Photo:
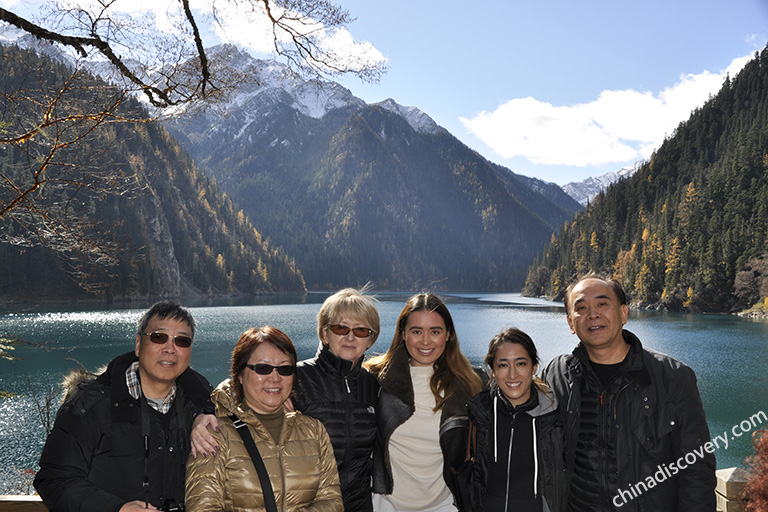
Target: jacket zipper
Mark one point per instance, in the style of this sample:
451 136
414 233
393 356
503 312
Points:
348 414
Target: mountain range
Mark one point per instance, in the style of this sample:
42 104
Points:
361 192
586 190
689 229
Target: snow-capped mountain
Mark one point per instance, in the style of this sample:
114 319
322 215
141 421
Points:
584 191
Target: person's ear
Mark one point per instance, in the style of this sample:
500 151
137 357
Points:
570 324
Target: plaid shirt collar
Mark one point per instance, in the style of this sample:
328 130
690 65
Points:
134 388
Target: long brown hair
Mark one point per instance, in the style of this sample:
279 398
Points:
453 373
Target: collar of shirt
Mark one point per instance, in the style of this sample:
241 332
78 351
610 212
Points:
162 405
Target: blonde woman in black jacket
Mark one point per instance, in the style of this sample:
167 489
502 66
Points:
334 388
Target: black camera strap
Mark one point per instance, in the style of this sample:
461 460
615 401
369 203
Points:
250 445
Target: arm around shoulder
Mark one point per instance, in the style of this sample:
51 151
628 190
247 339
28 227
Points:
206 477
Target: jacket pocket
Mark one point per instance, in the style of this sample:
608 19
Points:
654 428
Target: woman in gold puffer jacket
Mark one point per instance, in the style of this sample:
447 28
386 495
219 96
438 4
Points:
296 450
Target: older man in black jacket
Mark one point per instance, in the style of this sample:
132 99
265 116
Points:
121 439
636 434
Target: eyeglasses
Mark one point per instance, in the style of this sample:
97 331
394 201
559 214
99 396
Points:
265 369
343 330
161 338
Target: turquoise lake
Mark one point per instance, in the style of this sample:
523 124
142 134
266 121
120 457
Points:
729 354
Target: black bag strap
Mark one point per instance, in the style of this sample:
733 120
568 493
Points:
266 485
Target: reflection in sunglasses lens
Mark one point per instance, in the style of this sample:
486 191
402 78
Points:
265 369
343 330
162 338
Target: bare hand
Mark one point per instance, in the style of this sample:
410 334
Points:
201 439
137 506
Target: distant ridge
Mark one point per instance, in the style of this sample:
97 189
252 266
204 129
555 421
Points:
377 192
585 191
688 231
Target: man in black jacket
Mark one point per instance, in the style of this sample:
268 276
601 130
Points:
636 434
120 441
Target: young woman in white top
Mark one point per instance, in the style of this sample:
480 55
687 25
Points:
422 415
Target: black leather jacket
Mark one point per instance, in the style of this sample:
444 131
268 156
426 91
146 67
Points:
396 405
655 415
343 397
93 459
549 447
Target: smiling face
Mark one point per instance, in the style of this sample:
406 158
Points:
425 337
161 364
596 315
265 394
513 372
348 347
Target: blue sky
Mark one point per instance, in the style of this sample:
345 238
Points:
558 90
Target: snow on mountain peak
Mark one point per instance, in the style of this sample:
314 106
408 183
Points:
586 190
418 120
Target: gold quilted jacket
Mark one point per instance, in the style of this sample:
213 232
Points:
301 467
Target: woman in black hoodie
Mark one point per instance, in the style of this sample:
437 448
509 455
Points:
518 456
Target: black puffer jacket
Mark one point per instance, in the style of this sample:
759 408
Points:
396 405
548 448
654 416
343 397
93 459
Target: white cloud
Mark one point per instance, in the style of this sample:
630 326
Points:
618 126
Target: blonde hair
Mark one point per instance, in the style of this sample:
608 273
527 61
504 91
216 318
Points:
354 303
453 373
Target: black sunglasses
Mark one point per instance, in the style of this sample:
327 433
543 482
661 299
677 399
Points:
161 338
343 330
265 369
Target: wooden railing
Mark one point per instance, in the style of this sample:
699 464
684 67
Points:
730 483
16 503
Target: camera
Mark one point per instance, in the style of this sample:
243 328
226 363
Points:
171 505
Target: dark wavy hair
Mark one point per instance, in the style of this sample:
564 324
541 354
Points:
248 343
756 490
453 373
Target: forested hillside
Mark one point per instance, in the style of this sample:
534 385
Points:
688 230
379 192
176 232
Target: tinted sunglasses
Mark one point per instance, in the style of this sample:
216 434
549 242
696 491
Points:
161 338
265 369
343 330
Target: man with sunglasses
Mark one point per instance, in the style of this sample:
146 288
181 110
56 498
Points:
121 438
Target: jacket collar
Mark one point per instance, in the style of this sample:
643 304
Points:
396 377
114 377
334 365
633 365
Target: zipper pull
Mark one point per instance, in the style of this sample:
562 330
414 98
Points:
346 382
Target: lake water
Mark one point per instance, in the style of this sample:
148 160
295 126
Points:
729 354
